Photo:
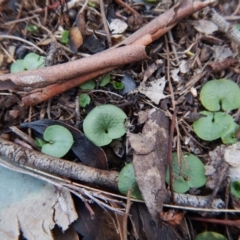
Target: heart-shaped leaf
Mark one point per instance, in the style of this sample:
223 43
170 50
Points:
127 180
229 136
210 235
118 85
59 141
104 123
222 93
83 148
33 61
235 189
188 174
17 66
89 85
84 100
105 80
213 125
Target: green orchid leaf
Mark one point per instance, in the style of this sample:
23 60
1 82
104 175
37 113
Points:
84 100
59 139
105 80
127 180
104 123
33 61
65 36
118 85
222 93
189 174
210 235
17 66
213 125
235 188
89 85
32 28
39 142
229 136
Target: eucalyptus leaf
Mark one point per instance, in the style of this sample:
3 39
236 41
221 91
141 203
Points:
84 100
188 174
17 66
89 85
127 180
210 236
59 141
104 123
222 93
213 125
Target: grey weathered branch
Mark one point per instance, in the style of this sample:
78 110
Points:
108 179
64 168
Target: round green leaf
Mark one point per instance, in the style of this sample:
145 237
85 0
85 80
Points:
222 93
89 85
229 136
33 61
235 188
104 123
32 28
84 100
127 180
59 139
17 66
213 125
118 85
189 174
65 36
105 80
210 236
39 142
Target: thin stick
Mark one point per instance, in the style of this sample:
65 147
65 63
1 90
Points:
170 150
125 216
2 36
104 19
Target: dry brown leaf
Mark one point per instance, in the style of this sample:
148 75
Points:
172 217
75 39
149 160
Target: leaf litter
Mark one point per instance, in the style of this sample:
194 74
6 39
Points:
174 76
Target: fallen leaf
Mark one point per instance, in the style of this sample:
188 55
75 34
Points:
155 90
75 39
174 75
184 66
32 207
205 26
221 52
101 225
117 26
172 217
149 160
232 157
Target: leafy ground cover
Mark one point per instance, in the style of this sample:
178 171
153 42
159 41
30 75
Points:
147 133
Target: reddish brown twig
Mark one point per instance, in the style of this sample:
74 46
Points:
235 223
173 123
46 76
42 94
